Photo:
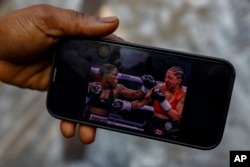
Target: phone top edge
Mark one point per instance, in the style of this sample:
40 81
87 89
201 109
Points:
131 44
171 51
160 49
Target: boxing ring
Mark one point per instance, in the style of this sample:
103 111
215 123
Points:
122 76
128 77
115 118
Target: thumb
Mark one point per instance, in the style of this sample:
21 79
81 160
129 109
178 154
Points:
63 22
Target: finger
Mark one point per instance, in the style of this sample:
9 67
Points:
87 134
67 128
114 37
35 76
61 22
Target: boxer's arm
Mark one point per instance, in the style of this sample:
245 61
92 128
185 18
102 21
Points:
129 93
179 106
139 103
175 113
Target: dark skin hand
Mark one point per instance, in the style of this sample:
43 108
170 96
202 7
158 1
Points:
27 38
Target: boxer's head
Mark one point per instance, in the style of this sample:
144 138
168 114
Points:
109 75
174 77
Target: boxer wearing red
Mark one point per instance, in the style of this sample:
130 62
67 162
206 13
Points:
168 98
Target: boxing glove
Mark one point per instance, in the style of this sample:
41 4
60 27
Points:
119 105
148 83
158 95
94 91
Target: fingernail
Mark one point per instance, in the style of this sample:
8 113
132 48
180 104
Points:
109 19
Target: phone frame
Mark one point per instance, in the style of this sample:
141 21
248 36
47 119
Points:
188 136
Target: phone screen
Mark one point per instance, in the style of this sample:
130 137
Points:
159 94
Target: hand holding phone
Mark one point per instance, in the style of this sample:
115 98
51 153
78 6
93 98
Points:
150 92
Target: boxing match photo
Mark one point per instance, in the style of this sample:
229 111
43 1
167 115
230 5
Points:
146 95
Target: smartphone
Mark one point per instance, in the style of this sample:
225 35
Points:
160 94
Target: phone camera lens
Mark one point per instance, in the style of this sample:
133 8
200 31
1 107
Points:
104 51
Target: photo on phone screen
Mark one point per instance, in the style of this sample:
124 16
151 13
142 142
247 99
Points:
139 91
134 99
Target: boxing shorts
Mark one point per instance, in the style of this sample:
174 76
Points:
161 127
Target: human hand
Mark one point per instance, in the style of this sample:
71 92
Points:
27 39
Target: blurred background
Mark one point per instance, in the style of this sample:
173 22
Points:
30 136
